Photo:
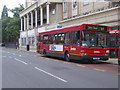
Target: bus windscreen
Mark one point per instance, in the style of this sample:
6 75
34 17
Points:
94 39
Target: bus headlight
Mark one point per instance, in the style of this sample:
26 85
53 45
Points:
106 54
107 51
83 54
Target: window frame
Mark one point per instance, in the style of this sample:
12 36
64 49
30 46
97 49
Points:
74 2
85 2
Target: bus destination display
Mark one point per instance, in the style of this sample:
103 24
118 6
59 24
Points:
93 27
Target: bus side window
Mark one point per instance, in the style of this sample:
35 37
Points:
45 39
50 39
61 38
75 37
40 38
67 38
55 41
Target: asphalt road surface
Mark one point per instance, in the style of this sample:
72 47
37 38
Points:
22 69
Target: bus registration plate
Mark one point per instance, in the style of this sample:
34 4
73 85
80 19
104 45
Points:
96 58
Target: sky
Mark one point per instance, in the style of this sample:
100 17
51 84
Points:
10 4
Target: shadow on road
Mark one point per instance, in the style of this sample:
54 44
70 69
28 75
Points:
76 61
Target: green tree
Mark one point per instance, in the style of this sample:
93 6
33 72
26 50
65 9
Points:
5 22
11 26
4 12
17 10
12 29
0 31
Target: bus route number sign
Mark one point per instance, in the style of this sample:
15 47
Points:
93 27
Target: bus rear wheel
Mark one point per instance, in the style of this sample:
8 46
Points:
44 52
67 56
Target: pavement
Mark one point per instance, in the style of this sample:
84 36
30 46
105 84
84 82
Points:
113 60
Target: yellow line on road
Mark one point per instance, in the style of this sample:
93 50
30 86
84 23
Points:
118 73
56 60
99 69
81 65
66 62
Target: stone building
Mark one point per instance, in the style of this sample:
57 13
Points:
44 15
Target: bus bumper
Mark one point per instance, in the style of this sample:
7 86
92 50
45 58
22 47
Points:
103 58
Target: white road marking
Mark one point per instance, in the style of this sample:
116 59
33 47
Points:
20 55
13 53
3 56
50 74
20 61
10 57
8 52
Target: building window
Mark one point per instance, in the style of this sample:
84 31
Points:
31 40
23 41
53 8
85 2
74 4
64 6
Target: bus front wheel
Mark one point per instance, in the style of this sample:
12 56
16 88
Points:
67 56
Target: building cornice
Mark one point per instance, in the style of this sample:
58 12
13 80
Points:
35 5
28 9
83 16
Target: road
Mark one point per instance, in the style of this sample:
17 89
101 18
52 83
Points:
22 69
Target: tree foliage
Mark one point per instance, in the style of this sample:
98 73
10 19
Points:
17 10
11 26
0 31
5 21
10 29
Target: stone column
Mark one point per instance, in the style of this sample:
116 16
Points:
41 15
31 20
24 23
21 24
36 18
35 28
27 21
35 36
48 14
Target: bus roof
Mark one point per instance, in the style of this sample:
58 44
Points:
69 28
114 31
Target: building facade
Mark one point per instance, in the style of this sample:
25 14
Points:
44 15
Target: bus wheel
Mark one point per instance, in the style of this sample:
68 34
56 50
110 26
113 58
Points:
91 61
118 62
44 52
67 56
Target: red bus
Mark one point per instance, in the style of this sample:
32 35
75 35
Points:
81 42
114 43
119 56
